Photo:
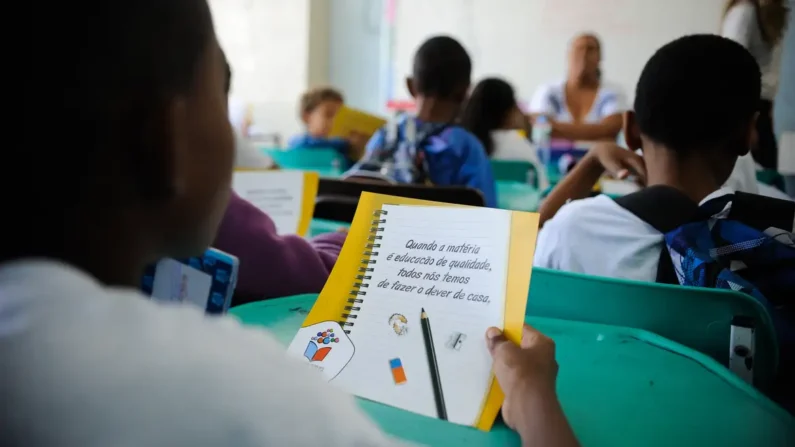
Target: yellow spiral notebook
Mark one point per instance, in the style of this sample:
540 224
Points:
403 316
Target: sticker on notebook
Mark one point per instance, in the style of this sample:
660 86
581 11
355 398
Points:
325 346
398 373
399 324
456 340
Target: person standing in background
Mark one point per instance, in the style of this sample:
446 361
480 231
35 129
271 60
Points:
582 107
784 112
758 25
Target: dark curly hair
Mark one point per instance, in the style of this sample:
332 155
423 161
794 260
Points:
698 92
442 69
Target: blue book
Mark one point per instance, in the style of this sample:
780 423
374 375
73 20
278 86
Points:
207 281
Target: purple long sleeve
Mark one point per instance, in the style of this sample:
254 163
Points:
272 265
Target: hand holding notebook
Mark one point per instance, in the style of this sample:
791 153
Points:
402 318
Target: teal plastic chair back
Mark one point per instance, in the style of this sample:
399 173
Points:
307 159
770 177
515 171
619 387
698 318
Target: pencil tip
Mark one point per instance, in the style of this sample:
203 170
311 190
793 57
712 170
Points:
423 309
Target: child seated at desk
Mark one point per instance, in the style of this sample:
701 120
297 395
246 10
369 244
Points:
691 149
493 116
87 359
430 147
270 265
319 107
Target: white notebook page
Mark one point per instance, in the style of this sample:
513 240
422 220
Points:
278 194
379 333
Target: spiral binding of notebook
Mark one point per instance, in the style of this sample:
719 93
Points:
364 272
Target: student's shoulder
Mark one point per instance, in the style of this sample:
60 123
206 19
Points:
126 364
591 216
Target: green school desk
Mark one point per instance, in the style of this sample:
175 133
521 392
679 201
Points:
517 196
618 386
321 226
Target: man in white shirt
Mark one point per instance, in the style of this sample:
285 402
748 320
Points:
85 359
690 147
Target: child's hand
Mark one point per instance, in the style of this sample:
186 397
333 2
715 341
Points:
619 163
357 140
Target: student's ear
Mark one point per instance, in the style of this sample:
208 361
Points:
632 131
751 139
305 117
161 156
410 87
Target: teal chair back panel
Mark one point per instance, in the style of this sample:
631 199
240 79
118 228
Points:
695 317
514 171
619 387
517 196
307 159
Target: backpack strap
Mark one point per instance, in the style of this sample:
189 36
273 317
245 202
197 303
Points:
762 212
665 209
420 158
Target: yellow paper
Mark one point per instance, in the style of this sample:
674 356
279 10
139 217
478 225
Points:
330 305
348 121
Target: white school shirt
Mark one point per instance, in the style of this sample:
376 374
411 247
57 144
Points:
743 176
598 237
86 365
550 100
741 26
510 145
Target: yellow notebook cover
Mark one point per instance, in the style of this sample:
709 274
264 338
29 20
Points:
323 341
348 121
287 197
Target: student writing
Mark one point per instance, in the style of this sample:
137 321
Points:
139 88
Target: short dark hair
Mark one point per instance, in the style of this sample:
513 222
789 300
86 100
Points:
699 91
311 99
442 68
487 108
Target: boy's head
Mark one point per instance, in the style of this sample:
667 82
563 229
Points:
442 70
143 164
319 106
697 99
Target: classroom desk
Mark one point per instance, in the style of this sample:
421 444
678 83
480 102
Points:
517 196
618 386
321 226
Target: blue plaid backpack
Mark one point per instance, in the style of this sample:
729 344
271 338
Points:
742 242
401 158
